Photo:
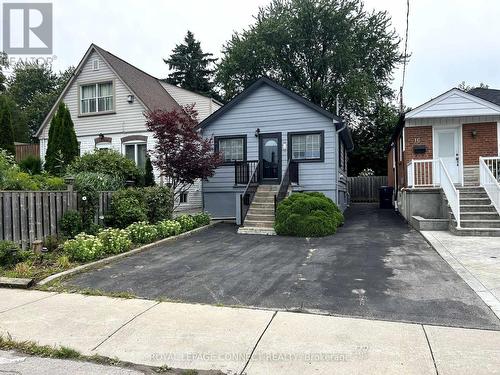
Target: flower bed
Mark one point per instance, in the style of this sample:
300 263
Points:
85 248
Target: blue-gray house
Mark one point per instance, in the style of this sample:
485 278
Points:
274 142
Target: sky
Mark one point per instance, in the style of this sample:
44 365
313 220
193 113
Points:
450 41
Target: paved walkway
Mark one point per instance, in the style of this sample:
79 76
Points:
475 259
374 267
242 340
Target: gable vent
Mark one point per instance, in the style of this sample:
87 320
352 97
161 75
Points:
95 64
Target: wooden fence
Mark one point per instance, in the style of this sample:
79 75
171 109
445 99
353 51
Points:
366 189
26 216
25 149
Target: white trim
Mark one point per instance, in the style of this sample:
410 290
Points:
404 140
414 112
498 138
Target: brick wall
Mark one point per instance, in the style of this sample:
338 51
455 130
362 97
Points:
416 136
485 143
390 169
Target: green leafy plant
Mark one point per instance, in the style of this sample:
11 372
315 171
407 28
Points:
142 232
167 228
11 254
71 223
101 181
149 177
187 222
201 219
115 241
307 215
127 207
83 248
51 242
159 202
31 164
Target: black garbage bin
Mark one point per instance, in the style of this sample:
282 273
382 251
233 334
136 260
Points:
385 196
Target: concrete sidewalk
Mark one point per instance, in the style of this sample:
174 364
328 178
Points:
237 340
475 259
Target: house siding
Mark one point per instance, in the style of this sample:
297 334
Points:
272 112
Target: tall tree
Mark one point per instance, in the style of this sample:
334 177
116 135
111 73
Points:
4 63
180 153
6 132
192 68
35 88
62 145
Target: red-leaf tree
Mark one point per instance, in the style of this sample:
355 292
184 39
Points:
181 154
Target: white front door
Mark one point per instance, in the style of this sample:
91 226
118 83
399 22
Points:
448 150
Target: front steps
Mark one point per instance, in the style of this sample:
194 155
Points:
478 217
260 216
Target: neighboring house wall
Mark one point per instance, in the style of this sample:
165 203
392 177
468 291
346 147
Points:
271 111
391 168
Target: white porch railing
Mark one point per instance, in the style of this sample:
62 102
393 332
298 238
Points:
489 176
423 173
451 192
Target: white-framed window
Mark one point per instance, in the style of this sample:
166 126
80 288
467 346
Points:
95 64
96 98
231 148
183 197
136 151
306 146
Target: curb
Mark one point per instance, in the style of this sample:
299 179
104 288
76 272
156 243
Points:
110 259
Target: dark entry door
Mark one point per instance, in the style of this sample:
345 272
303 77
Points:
270 158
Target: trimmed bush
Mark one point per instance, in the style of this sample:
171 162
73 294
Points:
71 223
307 215
11 254
84 248
168 228
115 241
201 219
187 222
127 207
100 181
159 202
31 164
142 232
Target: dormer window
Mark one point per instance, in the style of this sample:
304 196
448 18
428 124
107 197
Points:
96 98
95 64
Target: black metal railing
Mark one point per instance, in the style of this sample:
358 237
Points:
290 176
243 170
250 190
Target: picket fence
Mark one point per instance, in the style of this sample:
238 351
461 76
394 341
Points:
26 216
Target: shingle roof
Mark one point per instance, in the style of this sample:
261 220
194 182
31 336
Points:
491 95
146 87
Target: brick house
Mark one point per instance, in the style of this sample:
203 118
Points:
446 152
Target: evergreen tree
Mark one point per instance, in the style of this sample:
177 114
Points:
62 146
191 66
6 132
149 177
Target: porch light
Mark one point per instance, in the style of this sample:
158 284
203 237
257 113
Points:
130 98
257 132
473 133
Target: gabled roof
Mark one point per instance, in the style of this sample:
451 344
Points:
145 87
339 124
491 95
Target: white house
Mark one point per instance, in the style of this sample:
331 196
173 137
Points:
107 98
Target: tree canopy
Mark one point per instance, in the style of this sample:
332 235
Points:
6 132
192 68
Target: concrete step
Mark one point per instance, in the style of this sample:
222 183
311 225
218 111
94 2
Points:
477 208
479 223
248 230
476 232
263 199
262 205
258 224
265 194
260 211
479 216
473 194
261 218
475 201
268 188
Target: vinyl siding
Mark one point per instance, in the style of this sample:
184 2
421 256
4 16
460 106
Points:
273 112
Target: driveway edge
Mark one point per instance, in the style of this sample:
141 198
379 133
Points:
110 259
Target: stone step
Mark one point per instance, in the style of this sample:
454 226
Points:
479 216
476 232
258 223
479 223
261 218
477 208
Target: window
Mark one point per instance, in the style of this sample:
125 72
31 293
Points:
232 148
183 198
137 153
96 98
306 146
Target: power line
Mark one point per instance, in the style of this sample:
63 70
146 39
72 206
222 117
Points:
401 107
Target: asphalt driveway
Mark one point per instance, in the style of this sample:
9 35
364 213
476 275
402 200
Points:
375 266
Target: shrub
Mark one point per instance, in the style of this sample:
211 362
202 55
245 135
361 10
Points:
149 177
159 202
187 222
83 248
71 223
108 162
31 164
23 269
11 254
48 182
307 215
127 207
168 228
15 180
51 243
115 241
201 219
142 232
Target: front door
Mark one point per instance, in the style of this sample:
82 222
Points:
448 150
270 158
